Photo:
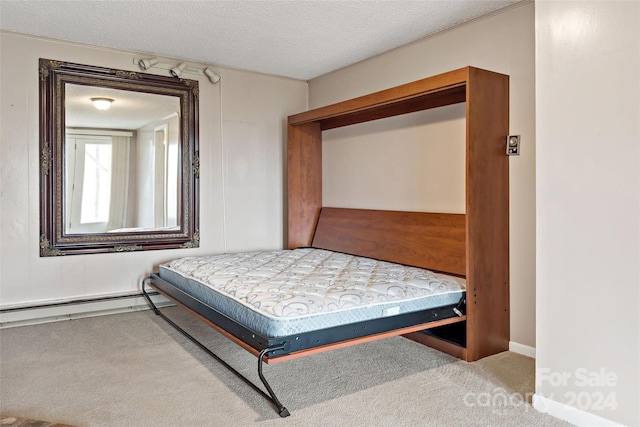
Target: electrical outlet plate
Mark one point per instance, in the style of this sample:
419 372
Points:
513 145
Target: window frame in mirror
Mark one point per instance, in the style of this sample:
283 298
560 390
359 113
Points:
54 241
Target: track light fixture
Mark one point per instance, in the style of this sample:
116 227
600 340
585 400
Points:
213 77
147 63
178 69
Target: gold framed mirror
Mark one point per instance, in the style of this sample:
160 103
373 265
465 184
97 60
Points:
119 160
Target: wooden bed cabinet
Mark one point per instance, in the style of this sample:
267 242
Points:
485 251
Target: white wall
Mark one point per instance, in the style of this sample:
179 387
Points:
242 139
588 207
387 180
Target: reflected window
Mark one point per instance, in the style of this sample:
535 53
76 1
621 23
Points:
97 183
96 187
88 182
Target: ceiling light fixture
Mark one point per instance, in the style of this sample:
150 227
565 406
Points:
102 103
213 77
147 63
178 69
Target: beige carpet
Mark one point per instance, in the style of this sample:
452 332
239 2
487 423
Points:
134 370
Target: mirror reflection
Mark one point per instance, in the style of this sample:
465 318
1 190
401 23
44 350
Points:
121 160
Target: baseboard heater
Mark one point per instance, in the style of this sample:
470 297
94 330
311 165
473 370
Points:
74 309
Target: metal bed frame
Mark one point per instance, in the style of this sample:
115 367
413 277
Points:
274 347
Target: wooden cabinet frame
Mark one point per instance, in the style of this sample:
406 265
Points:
487 186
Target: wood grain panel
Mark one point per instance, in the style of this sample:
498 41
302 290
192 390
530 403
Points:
426 101
429 240
389 97
487 211
304 182
440 345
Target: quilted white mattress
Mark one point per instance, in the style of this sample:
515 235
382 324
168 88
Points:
286 292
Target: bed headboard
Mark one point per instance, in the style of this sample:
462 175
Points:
429 240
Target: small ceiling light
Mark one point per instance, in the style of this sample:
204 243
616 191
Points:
147 63
102 103
213 77
178 69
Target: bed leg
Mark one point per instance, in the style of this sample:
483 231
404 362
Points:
148 298
282 411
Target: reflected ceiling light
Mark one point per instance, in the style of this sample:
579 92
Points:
147 63
102 103
178 69
213 77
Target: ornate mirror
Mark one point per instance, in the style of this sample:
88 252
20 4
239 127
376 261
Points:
119 160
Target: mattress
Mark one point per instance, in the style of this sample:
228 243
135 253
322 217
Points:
287 292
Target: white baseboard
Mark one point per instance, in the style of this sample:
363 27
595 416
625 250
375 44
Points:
525 350
74 310
570 414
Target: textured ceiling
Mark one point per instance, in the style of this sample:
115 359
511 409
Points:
301 39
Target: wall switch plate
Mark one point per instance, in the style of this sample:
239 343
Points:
513 145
